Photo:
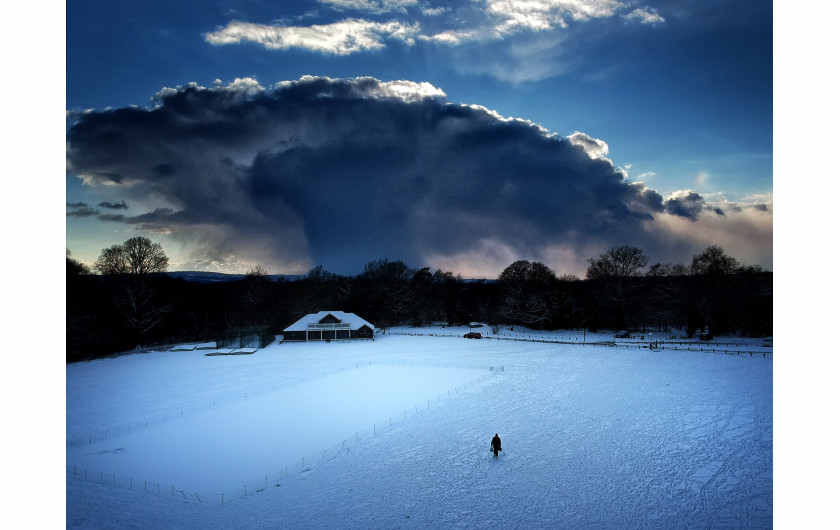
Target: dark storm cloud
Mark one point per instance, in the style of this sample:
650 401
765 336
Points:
690 205
113 205
81 209
340 172
159 219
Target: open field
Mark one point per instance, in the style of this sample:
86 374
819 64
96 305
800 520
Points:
593 436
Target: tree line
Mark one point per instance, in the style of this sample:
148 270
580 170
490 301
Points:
127 299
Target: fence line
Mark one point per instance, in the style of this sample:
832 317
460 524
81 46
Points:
306 461
710 347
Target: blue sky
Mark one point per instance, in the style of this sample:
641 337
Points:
458 135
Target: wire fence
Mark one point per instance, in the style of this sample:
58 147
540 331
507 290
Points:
245 338
306 461
728 348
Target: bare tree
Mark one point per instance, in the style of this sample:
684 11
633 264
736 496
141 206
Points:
144 257
132 267
112 261
138 256
75 267
617 270
256 286
392 289
618 262
528 296
668 269
713 261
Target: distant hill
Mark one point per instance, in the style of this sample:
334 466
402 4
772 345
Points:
218 277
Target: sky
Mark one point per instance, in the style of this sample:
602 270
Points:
460 135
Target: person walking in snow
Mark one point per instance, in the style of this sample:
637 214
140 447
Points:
496 444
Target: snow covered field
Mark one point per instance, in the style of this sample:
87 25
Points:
593 436
227 445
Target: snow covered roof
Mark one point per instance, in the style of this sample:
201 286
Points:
353 319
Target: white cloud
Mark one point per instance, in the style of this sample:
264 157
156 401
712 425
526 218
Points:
456 37
369 87
371 6
239 88
434 11
595 148
645 15
539 15
410 91
340 38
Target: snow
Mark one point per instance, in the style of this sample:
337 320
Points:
264 430
604 433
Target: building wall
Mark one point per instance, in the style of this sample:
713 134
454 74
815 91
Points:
363 332
315 335
294 336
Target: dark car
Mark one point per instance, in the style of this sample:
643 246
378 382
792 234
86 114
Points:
472 335
622 335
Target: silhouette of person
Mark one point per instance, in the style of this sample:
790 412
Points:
496 444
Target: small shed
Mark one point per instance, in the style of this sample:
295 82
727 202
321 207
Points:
329 325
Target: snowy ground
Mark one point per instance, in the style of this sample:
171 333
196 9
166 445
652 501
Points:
593 435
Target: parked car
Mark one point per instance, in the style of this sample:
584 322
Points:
472 335
705 336
622 335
